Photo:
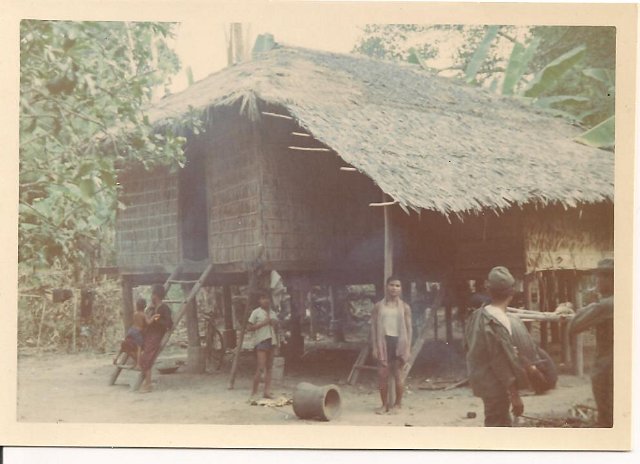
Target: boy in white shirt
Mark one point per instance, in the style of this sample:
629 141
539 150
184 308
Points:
262 321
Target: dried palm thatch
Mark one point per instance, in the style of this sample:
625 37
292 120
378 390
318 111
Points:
428 142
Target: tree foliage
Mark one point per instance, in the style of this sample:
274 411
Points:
566 70
83 90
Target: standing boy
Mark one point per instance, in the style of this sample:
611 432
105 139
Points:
492 360
262 321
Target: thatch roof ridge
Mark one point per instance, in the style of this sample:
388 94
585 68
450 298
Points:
428 141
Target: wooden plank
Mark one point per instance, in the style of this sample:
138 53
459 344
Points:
360 360
416 347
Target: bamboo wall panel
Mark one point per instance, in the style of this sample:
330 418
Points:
147 229
576 238
233 174
314 214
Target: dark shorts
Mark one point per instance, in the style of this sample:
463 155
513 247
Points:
392 347
264 345
136 336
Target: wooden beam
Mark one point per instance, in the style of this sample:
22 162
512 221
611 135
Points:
309 149
276 115
384 203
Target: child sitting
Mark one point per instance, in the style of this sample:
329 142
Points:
133 341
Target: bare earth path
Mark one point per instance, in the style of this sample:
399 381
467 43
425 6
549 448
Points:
73 388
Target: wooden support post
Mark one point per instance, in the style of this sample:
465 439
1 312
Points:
435 323
229 334
253 287
195 358
127 303
449 323
388 243
238 351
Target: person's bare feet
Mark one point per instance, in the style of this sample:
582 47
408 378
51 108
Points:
381 410
145 389
268 396
395 409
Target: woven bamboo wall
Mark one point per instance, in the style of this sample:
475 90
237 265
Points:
233 189
577 238
147 230
316 217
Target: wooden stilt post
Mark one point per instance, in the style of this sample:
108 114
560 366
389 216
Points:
388 243
253 287
229 329
195 359
449 322
127 303
388 272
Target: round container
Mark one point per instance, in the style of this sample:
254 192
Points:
316 402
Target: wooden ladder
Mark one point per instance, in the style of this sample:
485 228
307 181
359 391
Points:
173 279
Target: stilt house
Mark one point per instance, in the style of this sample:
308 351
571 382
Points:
298 148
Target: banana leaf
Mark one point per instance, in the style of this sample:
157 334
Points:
517 65
601 136
554 71
480 54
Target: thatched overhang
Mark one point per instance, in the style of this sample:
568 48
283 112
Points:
428 142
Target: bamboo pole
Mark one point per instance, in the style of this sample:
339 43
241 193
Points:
309 149
276 115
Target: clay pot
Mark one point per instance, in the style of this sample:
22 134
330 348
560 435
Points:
314 402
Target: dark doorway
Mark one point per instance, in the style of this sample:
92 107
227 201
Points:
193 207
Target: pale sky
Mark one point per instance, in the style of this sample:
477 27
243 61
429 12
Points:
201 44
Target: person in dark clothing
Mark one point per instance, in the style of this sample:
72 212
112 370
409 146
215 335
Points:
600 316
159 322
492 360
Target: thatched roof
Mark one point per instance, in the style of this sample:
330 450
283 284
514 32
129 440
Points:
427 141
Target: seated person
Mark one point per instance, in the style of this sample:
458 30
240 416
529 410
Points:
132 344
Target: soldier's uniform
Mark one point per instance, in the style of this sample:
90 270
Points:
600 316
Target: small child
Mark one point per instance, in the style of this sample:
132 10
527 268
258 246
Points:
133 341
261 322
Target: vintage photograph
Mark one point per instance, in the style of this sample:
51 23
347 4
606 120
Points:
237 223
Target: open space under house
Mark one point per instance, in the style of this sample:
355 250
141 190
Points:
337 169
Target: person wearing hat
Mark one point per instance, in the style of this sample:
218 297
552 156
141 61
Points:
600 316
492 360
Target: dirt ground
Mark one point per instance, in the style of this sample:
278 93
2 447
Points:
74 388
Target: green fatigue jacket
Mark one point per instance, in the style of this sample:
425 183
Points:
492 359
600 316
